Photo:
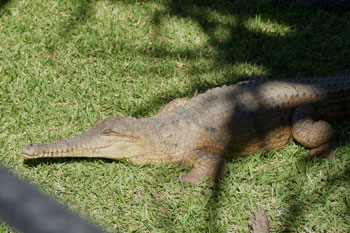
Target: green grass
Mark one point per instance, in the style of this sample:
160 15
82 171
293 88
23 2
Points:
65 64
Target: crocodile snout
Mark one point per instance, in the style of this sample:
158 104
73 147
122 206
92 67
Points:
29 150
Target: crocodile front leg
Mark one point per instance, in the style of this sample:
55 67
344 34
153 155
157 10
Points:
206 165
317 135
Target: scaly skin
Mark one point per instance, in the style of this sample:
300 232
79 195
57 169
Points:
222 123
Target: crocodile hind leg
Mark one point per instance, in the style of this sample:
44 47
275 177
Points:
317 135
205 165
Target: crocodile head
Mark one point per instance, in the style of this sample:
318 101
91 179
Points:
113 138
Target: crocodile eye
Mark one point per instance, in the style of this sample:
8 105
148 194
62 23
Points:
108 131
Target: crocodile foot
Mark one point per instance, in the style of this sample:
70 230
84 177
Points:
325 151
207 165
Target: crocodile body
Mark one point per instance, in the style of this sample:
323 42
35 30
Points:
222 123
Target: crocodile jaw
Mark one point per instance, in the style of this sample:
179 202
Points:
102 147
113 138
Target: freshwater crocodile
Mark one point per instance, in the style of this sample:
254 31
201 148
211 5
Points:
221 123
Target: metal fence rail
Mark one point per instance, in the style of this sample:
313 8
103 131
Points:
30 211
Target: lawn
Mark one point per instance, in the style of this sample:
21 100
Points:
65 64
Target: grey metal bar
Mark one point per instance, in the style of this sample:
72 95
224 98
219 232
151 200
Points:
30 211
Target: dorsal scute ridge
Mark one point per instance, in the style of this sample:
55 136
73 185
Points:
276 90
213 92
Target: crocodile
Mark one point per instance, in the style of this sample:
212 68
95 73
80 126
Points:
224 122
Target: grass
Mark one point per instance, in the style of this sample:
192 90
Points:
65 64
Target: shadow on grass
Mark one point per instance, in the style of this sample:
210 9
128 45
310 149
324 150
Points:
48 161
315 39
3 3
247 43
317 32
299 201
316 43
81 14
212 209
321 38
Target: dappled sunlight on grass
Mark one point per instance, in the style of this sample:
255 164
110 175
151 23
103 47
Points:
66 64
